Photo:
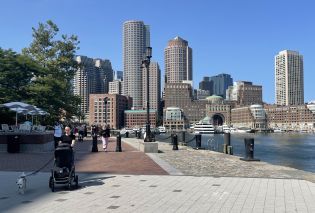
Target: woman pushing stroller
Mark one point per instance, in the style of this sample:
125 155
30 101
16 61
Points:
68 137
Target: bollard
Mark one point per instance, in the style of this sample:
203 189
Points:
118 143
139 135
227 142
127 134
198 141
136 133
174 142
184 138
230 150
249 150
94 145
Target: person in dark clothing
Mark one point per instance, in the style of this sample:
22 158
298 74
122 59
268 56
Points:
68 137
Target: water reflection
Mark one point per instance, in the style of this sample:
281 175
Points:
293 150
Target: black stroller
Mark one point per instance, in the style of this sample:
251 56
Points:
63 171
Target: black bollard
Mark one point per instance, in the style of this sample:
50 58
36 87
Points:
174 142
127 134
249 150
227 139
227 142
94 145
118 143
136 134
198 141
183 137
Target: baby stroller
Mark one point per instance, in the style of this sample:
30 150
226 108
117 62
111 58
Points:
63 171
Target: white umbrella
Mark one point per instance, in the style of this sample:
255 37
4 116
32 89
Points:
37 111
18 107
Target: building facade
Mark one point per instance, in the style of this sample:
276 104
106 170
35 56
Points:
289 78
178 61
136 37
154 86
115 87
180 95
138 118
291 118
206 84
244 93
221 83
174 119
253 117
93 76
111 112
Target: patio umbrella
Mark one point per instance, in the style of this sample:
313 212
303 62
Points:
37 111
18 107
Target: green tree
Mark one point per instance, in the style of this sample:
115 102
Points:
16 74
51 89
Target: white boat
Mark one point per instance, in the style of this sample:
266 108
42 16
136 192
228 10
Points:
278 130
243 130
203 128
162 129
226 129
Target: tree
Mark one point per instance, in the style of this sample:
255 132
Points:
16 73
52 89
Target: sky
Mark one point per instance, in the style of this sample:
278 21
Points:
237 37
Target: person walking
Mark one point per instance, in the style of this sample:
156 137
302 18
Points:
57 133
105 136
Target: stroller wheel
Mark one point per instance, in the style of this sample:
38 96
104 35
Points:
50 181
76 179
52 186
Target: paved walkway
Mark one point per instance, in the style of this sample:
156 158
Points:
109 189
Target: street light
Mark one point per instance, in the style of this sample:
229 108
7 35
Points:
105 103
146 63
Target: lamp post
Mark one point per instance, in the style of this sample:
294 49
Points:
105 109
146 63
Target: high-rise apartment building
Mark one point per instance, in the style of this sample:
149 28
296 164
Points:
289 78
206 84
178 61
220 84
136 37
115 87
154 86
92 76
244 93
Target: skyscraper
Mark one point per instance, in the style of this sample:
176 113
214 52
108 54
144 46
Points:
154 86
178 61
221 83
136 37
92 76
289 78
206 84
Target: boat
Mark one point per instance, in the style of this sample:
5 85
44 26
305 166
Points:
278 130
243 130
203 128
162 129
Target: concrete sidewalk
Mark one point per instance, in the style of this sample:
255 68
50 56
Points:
131 181
155 193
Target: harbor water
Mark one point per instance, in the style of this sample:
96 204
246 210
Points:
286 149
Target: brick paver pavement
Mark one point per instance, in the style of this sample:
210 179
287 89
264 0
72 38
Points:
129 161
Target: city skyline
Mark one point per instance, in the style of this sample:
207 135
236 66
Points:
238 38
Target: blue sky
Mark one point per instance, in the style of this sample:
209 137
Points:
238 37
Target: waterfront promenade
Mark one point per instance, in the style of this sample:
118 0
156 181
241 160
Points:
131 181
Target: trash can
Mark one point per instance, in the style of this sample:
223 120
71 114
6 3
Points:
13 144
